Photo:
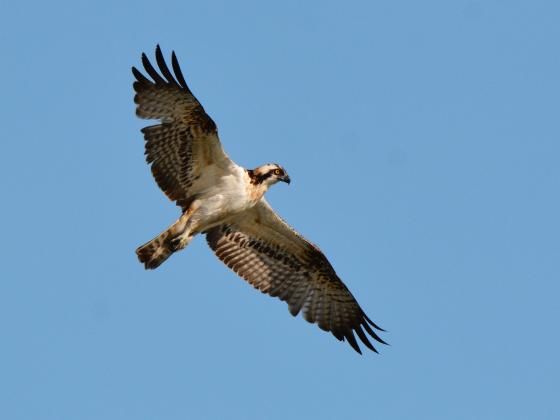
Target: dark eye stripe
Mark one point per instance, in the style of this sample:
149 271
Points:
258 179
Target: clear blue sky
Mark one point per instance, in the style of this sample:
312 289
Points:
423 142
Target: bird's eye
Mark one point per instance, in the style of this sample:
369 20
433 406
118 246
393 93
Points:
277 172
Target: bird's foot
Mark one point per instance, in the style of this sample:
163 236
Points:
180 242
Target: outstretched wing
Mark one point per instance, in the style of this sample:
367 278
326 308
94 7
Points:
263 249
186 142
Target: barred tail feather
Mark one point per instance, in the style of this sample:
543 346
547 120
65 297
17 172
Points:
152 254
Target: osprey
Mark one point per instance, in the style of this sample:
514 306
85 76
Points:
226 202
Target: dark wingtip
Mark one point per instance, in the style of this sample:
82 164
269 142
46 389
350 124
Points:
352 341
373 324
365 340
150 69
163 67
337 335
140 78
372 333
158 50
177 71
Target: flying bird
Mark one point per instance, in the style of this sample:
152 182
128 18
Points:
226 202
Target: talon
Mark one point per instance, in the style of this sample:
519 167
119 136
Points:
179 243
175 243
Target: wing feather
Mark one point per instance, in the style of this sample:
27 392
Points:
151 71
178 72
261 248
164 69
182 147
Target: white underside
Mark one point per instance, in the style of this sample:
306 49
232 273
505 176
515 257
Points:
221 193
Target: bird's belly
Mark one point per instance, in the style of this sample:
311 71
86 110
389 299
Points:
217 208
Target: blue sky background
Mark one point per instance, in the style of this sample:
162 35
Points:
423 142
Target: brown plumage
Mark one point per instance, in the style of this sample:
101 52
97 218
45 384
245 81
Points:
186 141
263 249
226 202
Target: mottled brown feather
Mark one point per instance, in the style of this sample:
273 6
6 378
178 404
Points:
186 142
276 260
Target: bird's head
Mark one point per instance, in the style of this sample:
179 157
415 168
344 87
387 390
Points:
268 175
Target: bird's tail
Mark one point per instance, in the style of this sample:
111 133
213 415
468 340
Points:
153 253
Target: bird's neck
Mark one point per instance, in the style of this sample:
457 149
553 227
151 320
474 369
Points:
257 186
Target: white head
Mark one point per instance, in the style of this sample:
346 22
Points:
268 175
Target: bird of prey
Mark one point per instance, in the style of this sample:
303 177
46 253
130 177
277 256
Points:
226 202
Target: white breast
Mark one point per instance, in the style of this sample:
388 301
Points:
221 196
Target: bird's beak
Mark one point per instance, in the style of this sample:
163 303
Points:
286 179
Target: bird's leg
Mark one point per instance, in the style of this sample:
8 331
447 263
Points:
181 240
183 228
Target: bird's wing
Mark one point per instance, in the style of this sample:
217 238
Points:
186 142
263 249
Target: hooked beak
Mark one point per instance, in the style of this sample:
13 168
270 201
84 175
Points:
286 179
